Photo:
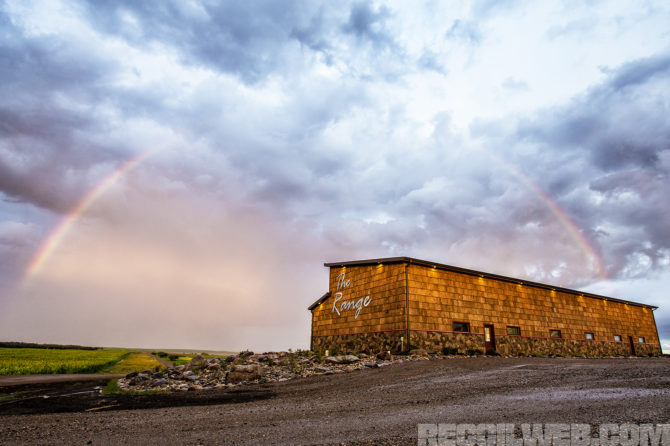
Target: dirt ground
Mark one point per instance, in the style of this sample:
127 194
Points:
375 406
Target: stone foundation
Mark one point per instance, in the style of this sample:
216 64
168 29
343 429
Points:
526 346
434 342
468 343
369 343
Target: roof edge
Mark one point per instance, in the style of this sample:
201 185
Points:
472 272
319 301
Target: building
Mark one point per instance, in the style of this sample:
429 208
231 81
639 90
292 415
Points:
401 303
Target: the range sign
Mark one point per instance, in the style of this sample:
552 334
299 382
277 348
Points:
340 306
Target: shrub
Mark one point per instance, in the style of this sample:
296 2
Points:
473 352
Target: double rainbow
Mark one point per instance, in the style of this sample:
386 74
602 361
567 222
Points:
56 236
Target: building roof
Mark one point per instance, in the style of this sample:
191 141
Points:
413 261
319 301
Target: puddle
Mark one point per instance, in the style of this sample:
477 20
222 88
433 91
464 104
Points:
587 394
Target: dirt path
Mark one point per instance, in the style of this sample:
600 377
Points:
375 406
17 380
161 360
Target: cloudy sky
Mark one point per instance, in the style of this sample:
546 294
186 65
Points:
175 174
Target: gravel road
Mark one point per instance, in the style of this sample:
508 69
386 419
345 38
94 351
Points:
375 406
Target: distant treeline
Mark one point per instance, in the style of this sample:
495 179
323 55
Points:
49 346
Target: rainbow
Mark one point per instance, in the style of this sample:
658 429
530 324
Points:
563 218
56 235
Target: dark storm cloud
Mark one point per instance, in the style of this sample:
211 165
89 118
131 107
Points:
615 139
43 141
640 72
247 39
621 123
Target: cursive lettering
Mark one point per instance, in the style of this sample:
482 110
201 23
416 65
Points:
352 304
342 282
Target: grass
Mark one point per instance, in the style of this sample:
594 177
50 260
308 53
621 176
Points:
182 360
112 387
185 359
29 361
134 362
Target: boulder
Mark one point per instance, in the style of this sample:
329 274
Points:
385 355
197 363
131 375
138 379
348 359
213 366
239 373
333 359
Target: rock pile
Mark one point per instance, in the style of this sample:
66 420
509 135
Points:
250 368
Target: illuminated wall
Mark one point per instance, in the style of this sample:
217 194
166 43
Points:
365 310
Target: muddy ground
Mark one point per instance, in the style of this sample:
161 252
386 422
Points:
375 406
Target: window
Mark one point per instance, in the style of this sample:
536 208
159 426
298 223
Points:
589 336
617 338
513 331
555 334
640 339
462 327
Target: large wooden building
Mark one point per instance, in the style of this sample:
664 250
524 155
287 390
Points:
402 303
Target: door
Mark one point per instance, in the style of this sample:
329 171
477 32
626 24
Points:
632 345
489 338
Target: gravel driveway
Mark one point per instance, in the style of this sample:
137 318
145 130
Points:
375 406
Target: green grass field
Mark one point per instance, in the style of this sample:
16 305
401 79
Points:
134 362
28 361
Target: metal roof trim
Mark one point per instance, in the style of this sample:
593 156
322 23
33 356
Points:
471 272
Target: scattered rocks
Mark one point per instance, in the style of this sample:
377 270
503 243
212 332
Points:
418 352
385 356
246 368
244 373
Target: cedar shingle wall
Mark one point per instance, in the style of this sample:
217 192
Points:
385 284
438 298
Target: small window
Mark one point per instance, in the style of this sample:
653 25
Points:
617 338
589 336
462 327
555 334
640 339
513 331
